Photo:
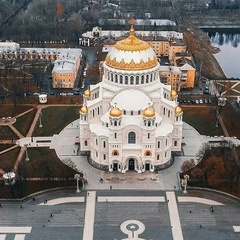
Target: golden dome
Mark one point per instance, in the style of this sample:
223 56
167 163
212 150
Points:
149 112
178 110
87 93
115 112
173 94
131 54
84 110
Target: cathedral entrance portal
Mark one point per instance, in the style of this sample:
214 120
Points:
147 166
131 164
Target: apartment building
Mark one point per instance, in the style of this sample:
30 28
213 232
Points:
65 68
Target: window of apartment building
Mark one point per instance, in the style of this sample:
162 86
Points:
85 143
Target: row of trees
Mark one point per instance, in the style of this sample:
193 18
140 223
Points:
217 170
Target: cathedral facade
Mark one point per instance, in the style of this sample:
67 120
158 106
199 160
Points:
130 121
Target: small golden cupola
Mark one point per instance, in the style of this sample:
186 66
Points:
84 110
115 112
87 94
173 94
178 111
149 112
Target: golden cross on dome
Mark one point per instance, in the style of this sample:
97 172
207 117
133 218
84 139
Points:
131 21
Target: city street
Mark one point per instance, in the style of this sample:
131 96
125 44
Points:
111 214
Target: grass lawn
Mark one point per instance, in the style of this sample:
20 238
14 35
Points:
11 111
6 133
43 163
202 119
54 119
8 159
24 122
5 146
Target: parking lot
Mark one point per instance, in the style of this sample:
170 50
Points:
207 101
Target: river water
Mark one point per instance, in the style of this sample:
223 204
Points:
229 55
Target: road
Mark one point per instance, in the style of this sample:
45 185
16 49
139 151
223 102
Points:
110 214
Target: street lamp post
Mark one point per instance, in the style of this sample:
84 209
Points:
27 158
186 178
84 177
40 120
77 177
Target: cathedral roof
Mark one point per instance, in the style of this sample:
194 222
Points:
115 112
178 110
149 112
131 99
87 93
84 109
131 54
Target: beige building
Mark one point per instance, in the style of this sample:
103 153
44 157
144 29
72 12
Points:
66 68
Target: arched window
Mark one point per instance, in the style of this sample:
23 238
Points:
148 135
149 123
115 123
85 143
104 144
168 113
115 153
159 144
158 157
142 79
96 141
139 112
126 79
121 79
131 112
137 80
93 114
164 111
175 143
124 112
147 79
104 156
116 78
132 137
131 80
148 153
112 77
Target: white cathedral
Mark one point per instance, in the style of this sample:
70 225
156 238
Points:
130 121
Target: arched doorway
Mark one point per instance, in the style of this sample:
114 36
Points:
131 164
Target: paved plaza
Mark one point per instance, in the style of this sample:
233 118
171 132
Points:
121 215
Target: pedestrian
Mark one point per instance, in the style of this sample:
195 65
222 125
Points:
51 215
238 203
190 211
88 193
0 205
21 206
200 225
33 199
212 209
